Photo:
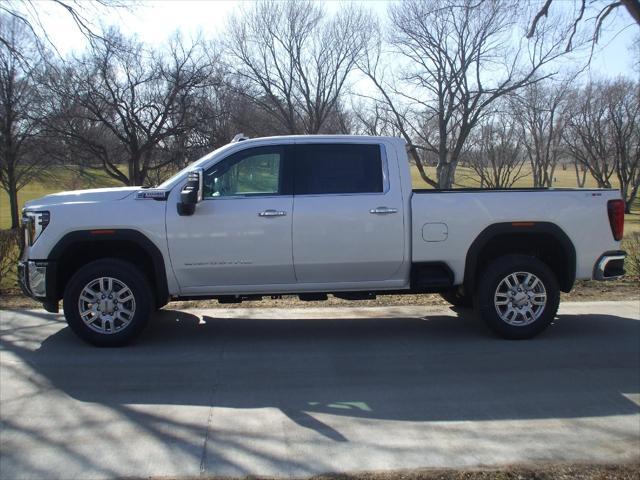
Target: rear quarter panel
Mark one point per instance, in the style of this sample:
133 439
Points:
581 214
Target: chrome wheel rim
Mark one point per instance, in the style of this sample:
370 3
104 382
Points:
520 298
106 305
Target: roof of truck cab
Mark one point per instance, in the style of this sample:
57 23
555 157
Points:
323 138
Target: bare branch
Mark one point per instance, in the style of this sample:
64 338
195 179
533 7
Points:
543 12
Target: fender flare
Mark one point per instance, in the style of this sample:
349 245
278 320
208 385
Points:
161 289
520 228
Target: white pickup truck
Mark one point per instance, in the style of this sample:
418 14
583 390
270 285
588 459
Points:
312 216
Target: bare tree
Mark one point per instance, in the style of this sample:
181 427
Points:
373 119
497 158
296 59
220 111
122 102
28 14
539 112
603 134
20 112
601 10
460 58
587 134
624 120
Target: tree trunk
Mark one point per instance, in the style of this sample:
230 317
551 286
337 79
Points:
134 170
446 174
535 172
413 153
13 206
131 172
628 202
580 180
633 7
550 175
11 188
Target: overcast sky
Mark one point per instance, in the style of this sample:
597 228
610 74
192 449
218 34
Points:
154 21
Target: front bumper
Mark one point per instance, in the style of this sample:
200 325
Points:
37 280
610 265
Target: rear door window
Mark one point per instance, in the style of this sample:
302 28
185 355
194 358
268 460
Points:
326 169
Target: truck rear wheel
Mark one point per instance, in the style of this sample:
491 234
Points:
517 296
107 302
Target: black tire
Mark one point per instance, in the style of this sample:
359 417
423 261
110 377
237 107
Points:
488 283
457 298
119 334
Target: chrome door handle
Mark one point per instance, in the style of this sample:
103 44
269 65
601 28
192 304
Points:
383 210
272 213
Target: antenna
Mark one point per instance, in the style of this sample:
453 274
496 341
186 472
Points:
239 138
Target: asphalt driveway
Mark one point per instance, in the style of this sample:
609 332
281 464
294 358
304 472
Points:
297 392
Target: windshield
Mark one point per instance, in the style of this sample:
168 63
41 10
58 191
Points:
173 179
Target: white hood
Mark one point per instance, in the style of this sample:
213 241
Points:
82 196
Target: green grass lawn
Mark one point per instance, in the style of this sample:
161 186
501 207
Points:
465 177
60 179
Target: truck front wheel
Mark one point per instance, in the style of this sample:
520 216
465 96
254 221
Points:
107 302
517 296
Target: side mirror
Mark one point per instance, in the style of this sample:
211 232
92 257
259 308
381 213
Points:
191 194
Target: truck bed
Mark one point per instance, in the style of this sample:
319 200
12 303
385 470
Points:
446 222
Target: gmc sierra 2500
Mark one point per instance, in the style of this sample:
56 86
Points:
311 216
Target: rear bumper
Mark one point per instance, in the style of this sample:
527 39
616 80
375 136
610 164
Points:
37 280
610 265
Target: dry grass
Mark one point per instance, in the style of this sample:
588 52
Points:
529 472
631 244
9 255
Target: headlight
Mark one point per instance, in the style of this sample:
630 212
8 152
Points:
34 224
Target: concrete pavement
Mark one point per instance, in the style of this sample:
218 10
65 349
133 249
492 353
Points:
304 391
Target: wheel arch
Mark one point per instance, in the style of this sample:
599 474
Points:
544 240
80 247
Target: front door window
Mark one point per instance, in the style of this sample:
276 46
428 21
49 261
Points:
251 172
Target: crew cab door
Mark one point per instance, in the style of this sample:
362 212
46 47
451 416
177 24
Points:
240 233
348 214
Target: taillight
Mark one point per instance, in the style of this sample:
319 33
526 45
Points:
615 209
